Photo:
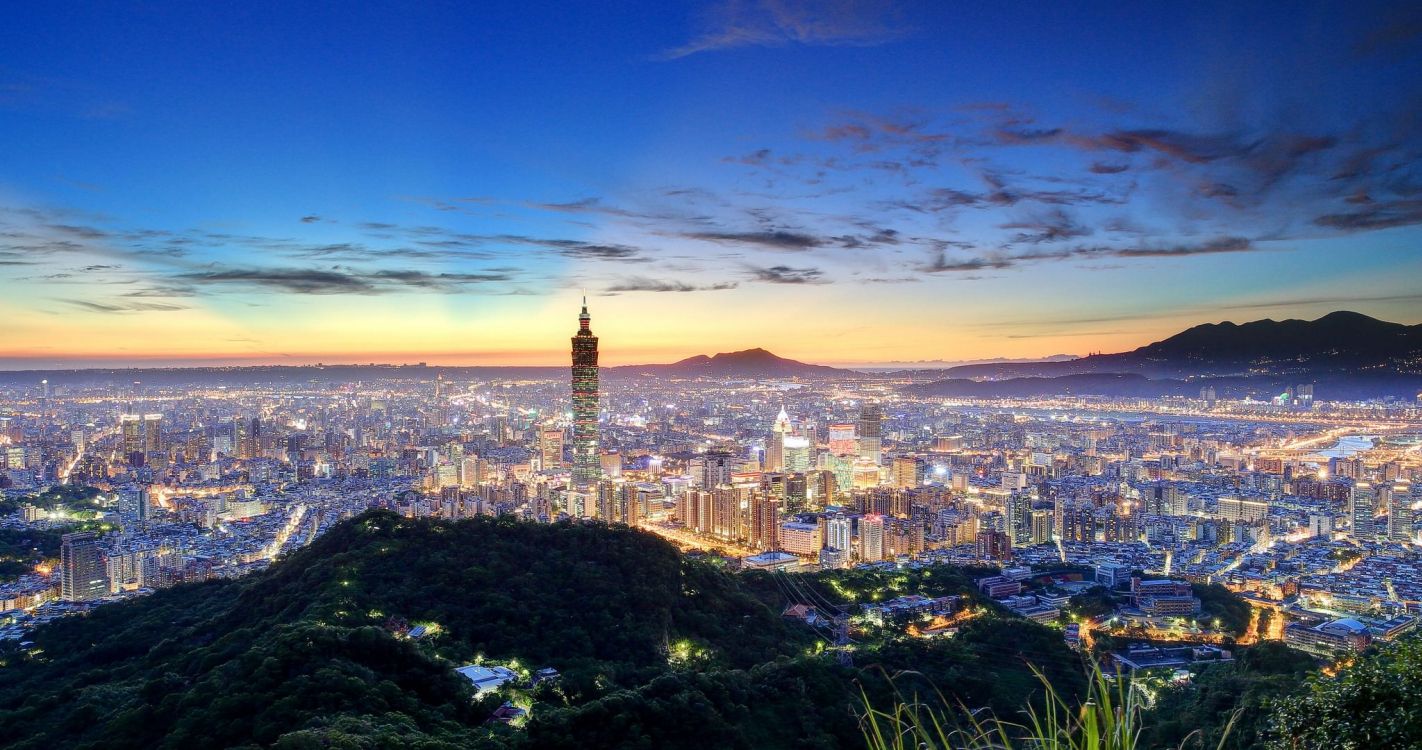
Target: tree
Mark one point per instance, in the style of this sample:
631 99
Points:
1371 704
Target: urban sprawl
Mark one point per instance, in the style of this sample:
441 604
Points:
1308 510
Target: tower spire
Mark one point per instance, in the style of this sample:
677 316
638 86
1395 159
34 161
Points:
586 464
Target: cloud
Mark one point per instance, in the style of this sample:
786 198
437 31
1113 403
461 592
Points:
298 280
756 158
1398 213
1188 147
581 250
787 275
774 240
1400 27
1211 247
437 242
877 236
1053 226
1027 136
1001 195
339 280
122 307
82 232
584 206
778 23
942 264
163 290
437 281
1103 168
642 284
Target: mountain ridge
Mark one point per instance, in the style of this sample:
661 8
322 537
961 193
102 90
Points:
1338 342
746 363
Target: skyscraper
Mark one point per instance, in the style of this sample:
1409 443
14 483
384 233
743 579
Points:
131 432
247 437
152 433
775 443
871 420
1400 515
83 575
550 447
871 538
1364 504
586 468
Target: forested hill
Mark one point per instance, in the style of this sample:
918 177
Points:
655 651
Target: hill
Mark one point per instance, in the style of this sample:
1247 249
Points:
1130 385
655 650
750 363
1337 343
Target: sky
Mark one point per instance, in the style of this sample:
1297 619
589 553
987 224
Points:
837 182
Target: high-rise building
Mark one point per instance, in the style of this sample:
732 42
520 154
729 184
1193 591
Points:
841 440
871 420
765 522
905 472
1364 504
1241 509
152 433
611 465
586 467
469 473
871 538
839 533
1163 499
775 442
550 447
131 435
247 437
1400 516
83 574
994 545
1019 518
1041 527
796 452
713 469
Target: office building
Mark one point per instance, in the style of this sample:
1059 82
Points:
83 574
871 419
586 469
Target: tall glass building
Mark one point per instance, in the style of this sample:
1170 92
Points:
586 467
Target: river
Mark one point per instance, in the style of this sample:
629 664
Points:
1348 445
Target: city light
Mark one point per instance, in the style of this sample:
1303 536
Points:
774 373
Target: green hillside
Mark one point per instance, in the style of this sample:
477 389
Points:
655 650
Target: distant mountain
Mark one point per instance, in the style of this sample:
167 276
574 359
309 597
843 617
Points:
1335 387
750 363
930 365
1339 342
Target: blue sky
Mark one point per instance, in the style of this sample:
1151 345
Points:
840 182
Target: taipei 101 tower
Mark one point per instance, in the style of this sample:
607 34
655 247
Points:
587 468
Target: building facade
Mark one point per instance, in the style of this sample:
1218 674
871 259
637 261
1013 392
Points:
586 466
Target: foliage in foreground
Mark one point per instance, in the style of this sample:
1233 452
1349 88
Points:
1374 703
1109 718
1240 693
1271 698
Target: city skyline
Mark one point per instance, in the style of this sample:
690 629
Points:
1058 362
899 182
